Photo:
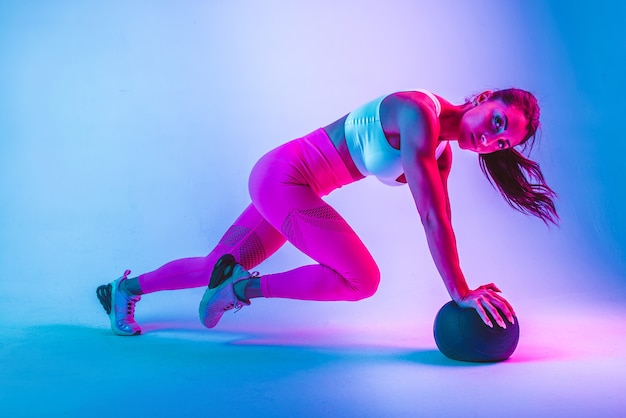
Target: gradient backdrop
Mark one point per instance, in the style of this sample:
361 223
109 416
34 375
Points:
128 130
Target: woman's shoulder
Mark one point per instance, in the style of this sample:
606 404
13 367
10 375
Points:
421 101
407 107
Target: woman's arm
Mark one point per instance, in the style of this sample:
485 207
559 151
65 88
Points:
418 136
419 130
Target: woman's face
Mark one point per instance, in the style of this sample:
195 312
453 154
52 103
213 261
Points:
492 126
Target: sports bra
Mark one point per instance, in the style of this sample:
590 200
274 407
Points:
371 152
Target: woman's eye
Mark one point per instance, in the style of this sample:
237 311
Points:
498 122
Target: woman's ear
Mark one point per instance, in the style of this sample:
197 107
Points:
484 96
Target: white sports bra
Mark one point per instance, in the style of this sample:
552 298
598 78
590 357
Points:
371 152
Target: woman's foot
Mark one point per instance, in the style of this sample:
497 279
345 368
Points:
119 304
220 295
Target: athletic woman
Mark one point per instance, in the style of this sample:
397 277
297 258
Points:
401 138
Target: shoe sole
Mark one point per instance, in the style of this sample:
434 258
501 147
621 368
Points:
104 296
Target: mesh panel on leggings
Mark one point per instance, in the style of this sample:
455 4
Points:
323 217
234 235
252 251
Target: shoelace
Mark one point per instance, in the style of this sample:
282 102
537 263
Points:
239 304
130 308
130 304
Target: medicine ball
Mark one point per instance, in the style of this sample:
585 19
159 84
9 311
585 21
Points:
461 334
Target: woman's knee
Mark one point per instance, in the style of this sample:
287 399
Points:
365 284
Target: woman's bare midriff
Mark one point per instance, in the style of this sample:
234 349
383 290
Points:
337 135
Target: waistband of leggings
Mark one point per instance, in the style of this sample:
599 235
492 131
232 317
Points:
320 139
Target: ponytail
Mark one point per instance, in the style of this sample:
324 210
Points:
520 181
517 178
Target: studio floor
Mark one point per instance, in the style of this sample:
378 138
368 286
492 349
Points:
567 364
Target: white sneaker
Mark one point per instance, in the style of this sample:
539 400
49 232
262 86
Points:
220 295
120 306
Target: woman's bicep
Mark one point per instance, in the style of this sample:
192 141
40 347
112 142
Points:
418 142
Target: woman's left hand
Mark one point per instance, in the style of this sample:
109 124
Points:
486 299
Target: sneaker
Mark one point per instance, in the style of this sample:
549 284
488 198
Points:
120 306
220 296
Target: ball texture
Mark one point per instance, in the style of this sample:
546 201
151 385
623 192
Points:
462 335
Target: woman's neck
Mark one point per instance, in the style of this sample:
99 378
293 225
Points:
450 119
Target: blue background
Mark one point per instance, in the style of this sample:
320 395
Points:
129 129
127 132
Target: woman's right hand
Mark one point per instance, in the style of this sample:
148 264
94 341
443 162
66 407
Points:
486 299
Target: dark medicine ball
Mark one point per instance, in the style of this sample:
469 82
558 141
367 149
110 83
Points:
462 335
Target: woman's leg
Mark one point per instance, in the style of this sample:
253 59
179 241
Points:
251 239
285 186
346 270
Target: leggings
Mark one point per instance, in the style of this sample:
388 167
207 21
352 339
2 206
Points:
286 187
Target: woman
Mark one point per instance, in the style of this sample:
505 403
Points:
399 138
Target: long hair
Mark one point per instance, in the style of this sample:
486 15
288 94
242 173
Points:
519 179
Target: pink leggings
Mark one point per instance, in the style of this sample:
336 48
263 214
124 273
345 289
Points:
286 186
